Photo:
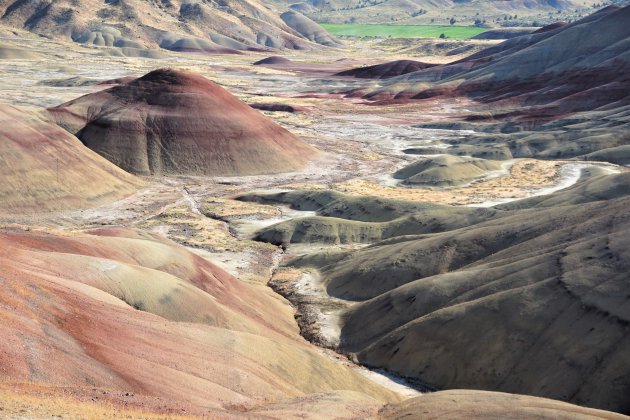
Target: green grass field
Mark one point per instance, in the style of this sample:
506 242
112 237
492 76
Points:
402 31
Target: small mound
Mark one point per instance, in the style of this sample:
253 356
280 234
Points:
386 70
105 36
474 404
177 43
278 107
272 60
445 170
177 122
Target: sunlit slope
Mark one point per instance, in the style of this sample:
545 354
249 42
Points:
132 312
174 122
45 168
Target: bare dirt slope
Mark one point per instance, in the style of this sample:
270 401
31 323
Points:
535 302
309 29
147 316
445 170
45 168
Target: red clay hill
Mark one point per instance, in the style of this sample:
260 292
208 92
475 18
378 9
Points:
176 122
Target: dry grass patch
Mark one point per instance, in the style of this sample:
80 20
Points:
525 176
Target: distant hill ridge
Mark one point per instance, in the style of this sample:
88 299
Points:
509 13
177 25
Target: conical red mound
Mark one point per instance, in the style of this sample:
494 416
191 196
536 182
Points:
177 122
